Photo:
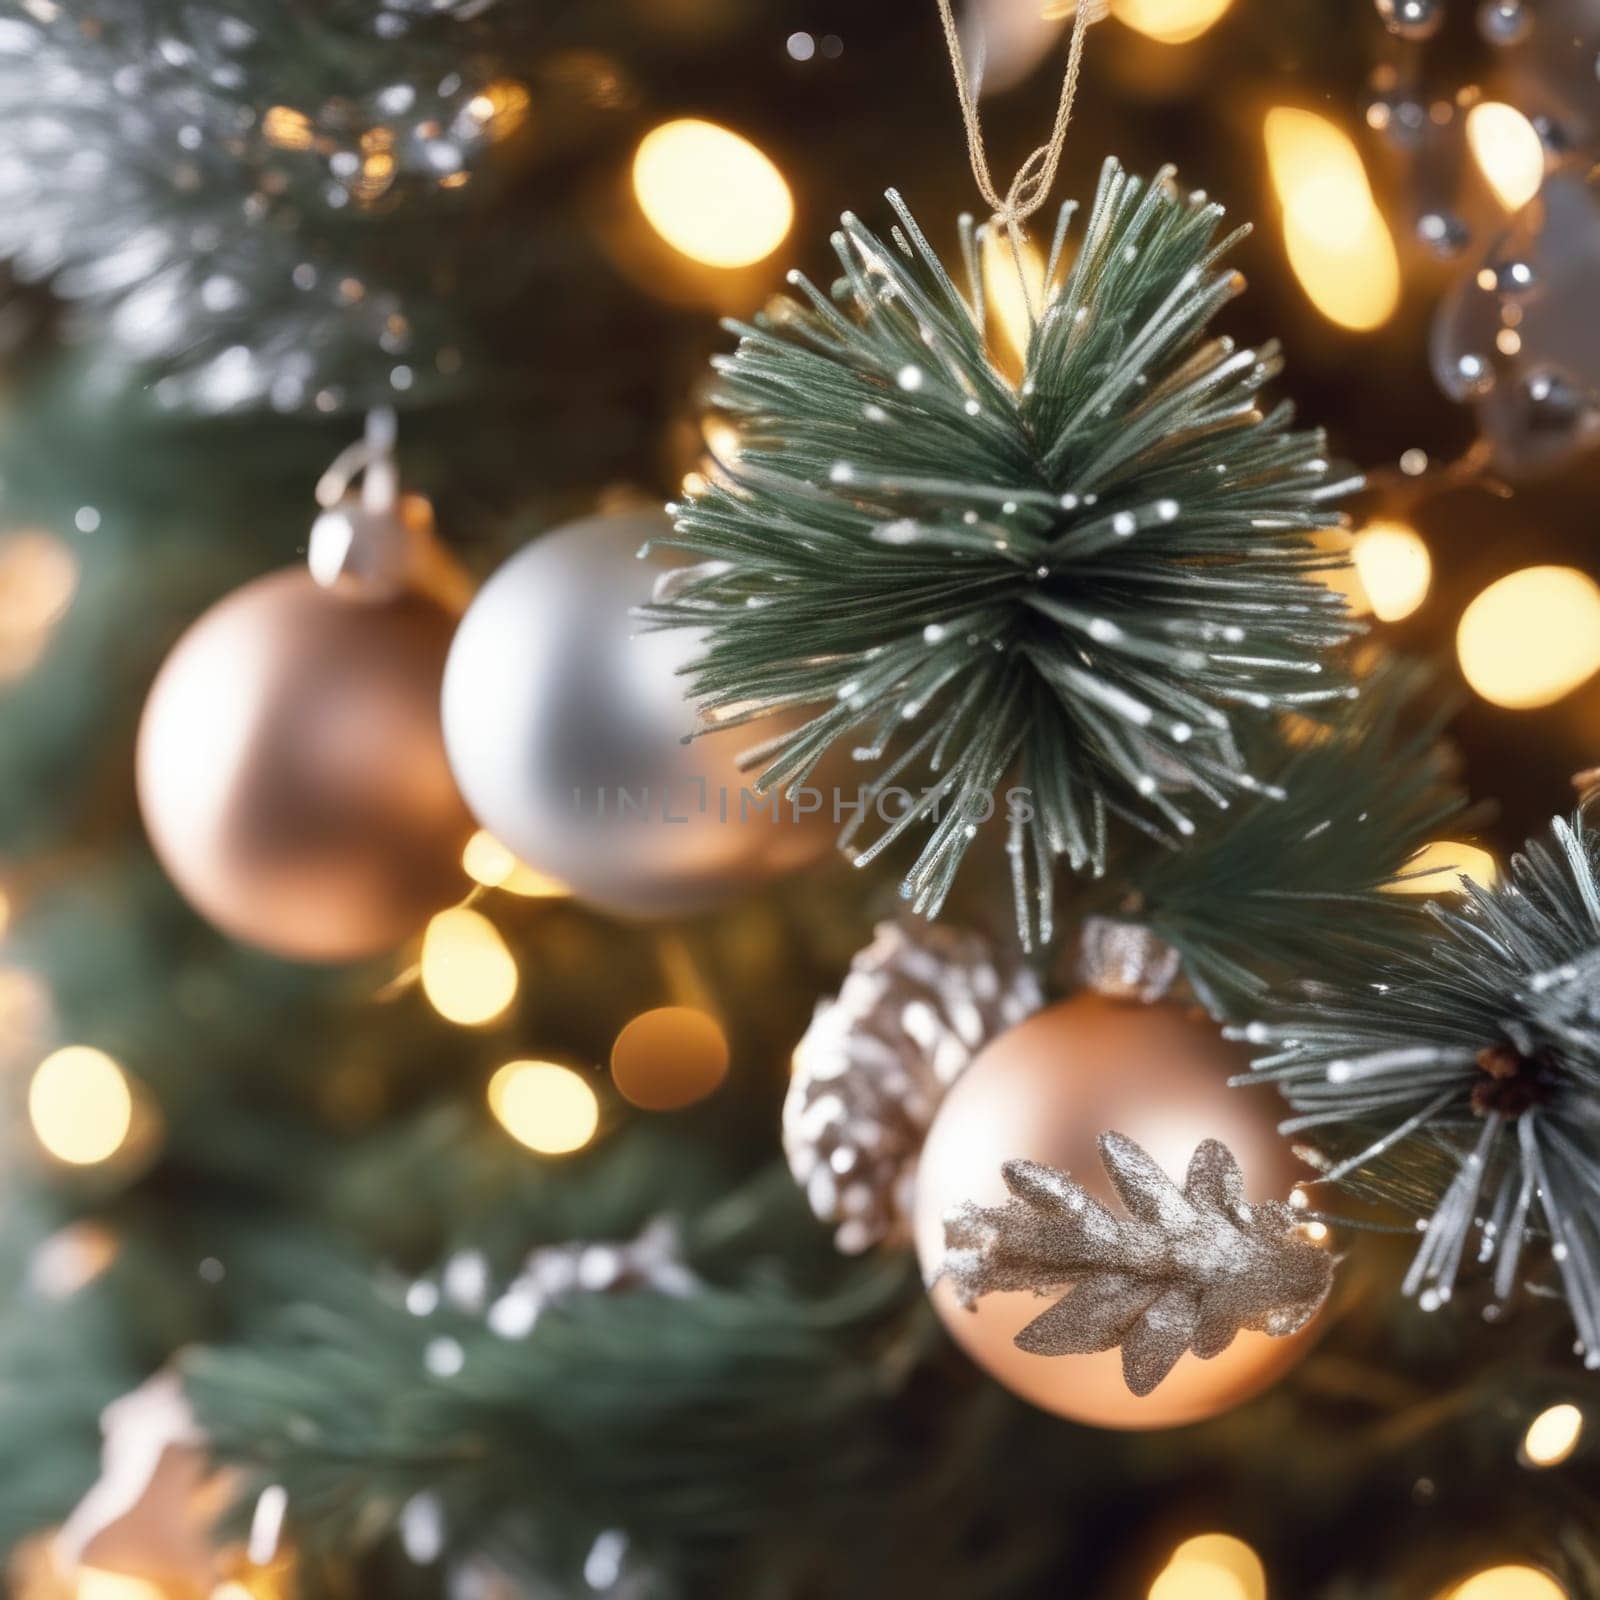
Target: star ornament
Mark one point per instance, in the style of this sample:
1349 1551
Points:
1185 1269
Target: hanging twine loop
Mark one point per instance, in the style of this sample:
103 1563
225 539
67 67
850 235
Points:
1034 179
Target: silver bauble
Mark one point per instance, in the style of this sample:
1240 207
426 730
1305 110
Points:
565 722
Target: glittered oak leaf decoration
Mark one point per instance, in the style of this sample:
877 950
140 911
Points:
1186 1269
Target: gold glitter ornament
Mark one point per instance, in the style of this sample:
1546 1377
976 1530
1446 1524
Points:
1045 1092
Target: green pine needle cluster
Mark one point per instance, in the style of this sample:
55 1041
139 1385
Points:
1480 1047
1088 582
1277 885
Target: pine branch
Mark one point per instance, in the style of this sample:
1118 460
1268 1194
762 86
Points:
1481 1046
1099 579
1279 884
601 1385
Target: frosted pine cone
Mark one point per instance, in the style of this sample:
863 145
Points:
919 1002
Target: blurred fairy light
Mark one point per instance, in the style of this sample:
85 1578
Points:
38 578
1508 150
1438 868
287 129
1003 293
1552 1436
1337 241
1507 1583
1389 569
546 1106
485 860
500 107
91 1583
711 194
669 1058
1212 1566
80 1105
1170 21
468 974
721 437
1394 569
1531 637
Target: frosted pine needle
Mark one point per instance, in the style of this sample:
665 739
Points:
1081 584
1485 1046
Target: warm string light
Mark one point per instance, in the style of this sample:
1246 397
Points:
1170 21
1011 309
90 1583
1552 1436
1213 1566
468 974
1507 1583
546 1106
711 194
81 1105
1531 637
500 108
1389 571
1393 567
38 578
1439 867
669 1058
485 860
1338 243
1508 151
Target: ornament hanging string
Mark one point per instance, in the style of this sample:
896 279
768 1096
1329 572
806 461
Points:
1034 179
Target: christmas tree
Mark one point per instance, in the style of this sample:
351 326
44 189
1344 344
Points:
741 861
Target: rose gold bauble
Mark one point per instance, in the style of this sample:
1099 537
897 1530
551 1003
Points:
1046 1091
292 771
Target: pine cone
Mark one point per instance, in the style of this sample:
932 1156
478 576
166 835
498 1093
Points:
919 1002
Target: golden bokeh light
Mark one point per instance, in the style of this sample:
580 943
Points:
1338 243
1170 21
38 578
1552 1436
547 1107
1213 1566
1389 570
287 128
1507 1583
1531 637
500 108
711 194
1508 150
1393 568
1008 304
468 974
485 860
80 1105
669 1058
1439 867
721 437
91 1583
